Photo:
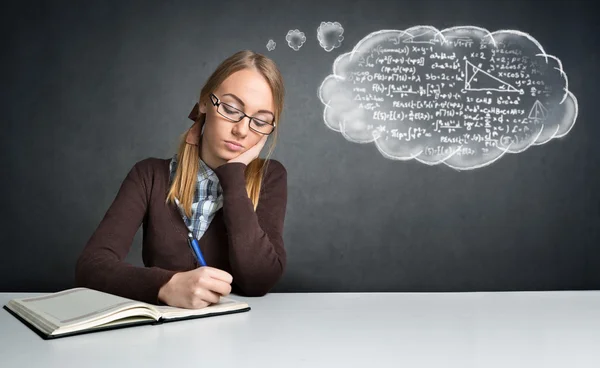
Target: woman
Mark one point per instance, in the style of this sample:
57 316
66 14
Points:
215 189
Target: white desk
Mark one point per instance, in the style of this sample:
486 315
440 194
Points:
504 330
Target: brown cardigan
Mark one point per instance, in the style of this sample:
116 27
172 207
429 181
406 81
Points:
247 244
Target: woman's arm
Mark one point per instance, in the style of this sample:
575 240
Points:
100 266
256 251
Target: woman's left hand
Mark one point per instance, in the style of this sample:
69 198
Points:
251 153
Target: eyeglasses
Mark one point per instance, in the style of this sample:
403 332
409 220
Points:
233 114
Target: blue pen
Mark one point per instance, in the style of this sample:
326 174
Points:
196 248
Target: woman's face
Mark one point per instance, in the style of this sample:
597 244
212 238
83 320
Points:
222 140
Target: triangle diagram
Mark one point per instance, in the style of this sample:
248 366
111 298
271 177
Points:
478 80
538 111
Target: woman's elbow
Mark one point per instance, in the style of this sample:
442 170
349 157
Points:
255 290
261 285
82 272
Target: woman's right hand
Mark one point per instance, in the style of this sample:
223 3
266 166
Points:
197 288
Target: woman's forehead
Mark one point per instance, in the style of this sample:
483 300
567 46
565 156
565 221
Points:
250 87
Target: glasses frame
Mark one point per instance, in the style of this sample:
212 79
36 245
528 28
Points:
216 102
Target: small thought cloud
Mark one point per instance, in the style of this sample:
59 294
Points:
271 45
295 39
462 96
329 35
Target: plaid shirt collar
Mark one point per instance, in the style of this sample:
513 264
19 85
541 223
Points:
207 200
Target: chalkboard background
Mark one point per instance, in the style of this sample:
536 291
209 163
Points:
89 88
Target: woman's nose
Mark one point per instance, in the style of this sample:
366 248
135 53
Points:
241 128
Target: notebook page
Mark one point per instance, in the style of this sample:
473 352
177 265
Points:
76 305
224 304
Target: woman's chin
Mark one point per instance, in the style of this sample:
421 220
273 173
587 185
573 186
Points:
226 155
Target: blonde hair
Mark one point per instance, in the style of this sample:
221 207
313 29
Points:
188 156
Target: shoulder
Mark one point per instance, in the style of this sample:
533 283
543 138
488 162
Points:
275 174
274 168
149 169
151 165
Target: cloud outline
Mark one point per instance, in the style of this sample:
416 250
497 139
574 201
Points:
341 60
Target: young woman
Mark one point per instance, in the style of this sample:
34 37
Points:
215 190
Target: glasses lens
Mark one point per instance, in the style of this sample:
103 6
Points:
230 112
262 126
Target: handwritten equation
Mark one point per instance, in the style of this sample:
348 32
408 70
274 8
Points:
462 96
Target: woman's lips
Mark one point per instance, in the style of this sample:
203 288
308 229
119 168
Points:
232 146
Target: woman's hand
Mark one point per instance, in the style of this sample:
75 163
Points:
196 289
251 153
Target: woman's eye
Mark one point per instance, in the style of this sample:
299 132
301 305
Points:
263 120
228 109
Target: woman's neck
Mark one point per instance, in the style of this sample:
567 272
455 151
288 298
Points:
210 159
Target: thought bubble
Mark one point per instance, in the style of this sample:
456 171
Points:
461 96
271 45
329 35
295 39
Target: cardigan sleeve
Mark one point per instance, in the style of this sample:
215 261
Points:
256 251
101 264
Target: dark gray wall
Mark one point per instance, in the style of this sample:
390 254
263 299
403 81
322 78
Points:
89 88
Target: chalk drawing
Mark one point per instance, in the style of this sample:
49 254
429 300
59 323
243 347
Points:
295 39
329 35
462 96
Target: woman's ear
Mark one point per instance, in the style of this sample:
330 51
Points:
203 107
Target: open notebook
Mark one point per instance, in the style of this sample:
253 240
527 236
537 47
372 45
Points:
81 310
